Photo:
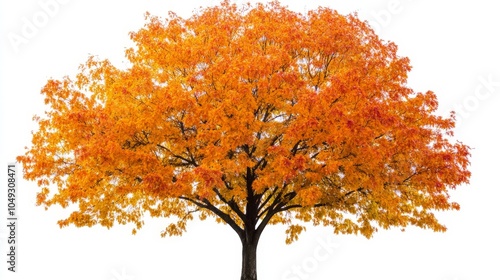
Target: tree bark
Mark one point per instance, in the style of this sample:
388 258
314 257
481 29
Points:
249 259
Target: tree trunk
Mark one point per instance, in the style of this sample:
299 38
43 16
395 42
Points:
249 259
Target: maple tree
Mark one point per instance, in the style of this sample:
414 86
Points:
253 115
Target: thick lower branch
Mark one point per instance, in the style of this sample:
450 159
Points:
225 217
231 203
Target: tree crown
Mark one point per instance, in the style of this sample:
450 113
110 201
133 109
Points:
255 115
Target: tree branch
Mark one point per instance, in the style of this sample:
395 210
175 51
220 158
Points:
268 198
225 217
231 203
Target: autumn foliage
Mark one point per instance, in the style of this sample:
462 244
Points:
254 115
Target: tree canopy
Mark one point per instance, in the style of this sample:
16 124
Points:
254 115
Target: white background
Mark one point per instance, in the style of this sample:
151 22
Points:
454 49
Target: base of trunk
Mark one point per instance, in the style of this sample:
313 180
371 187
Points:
249 261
